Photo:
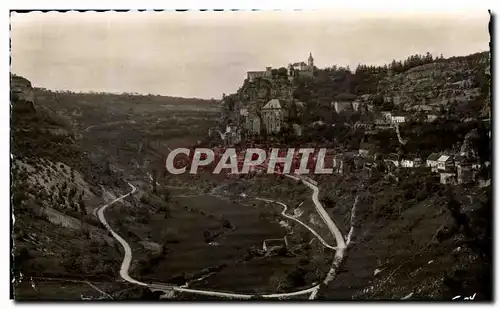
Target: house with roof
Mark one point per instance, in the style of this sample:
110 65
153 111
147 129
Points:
444 162
274 244
273 115
392 160
356 105
422 107
432 161
341 106
252 75
411 163
431 118
386 116
397 119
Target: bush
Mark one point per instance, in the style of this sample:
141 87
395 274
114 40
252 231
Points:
170 236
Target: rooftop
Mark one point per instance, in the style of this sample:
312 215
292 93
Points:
275 242
434 157
273 104
443 158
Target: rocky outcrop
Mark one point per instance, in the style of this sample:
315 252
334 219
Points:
437 83
471 144
251 97
21 94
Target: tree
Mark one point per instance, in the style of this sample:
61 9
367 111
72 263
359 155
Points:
153 172
166 196
279 282
167 212
226 223
282 72
207 236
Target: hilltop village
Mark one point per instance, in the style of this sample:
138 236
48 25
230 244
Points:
421 112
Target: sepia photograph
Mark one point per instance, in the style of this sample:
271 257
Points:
221 155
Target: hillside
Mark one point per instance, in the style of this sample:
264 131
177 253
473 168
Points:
420 82
415 236
55 188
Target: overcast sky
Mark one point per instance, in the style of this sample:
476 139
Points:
205 54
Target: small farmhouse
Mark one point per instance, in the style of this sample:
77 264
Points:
444 162
432 161
398 119
411 163
273 244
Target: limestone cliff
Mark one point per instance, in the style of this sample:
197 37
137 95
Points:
457 79
22 95
253 95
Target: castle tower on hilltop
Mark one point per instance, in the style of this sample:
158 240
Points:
310 61
301 68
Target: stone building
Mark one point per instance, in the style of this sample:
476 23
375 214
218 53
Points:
411 163
464 173
398 119
301 68
356 106
466 170
444 162
432 161
252 75
341 106
274 244
447 178
294 69
273 115
253 124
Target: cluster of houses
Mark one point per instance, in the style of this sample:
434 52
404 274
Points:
275 115
461 170
458 170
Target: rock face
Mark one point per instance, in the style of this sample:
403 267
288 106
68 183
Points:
253 95
21 94
470 144
437 83
457 83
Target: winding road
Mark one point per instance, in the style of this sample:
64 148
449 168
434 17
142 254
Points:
341 245
284 214
127 258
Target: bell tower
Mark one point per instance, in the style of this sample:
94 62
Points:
310 61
